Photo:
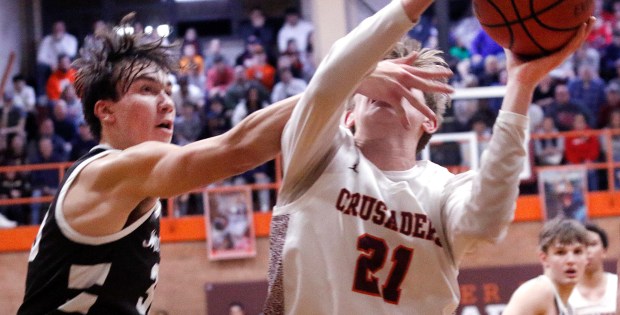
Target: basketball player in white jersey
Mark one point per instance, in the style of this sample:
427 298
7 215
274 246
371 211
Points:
562 243
595 294
97 251
360 226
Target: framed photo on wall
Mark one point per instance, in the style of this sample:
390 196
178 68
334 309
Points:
229 223
563 191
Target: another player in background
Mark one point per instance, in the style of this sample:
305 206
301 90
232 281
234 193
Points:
360 226
595 294
562 243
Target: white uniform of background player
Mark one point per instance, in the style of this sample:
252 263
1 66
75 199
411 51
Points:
350 238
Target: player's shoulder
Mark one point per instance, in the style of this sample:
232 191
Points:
535 296
537 289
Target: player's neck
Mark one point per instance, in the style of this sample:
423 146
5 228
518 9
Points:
593 279
389 154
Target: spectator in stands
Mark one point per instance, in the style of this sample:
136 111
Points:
610 53
548 151
490 71
296 28
588 90
12 119
74 104
50 49
190 61
16 153
217 118
309 59
252 44
44 182
252 102
64 126
257 26
582 149
612 102
288 85
91 41
83 142
586 55
46 130
259 69
543 95
23 94
219 77
614 123
191 38
292 57
236 308
60 78
481 47
14 185
187 125
563 109
601 34
184 92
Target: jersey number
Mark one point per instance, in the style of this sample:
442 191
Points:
374 253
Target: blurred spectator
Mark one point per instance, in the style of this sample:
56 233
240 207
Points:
252 102
601 33
309 60
252 44
91 41
582 149
51 47
614 123
187 125
185 92
12 119
424 30
291 57
543 95
288 86
46 130
60 78
260 70
64 126
294 28
83 142
466 29
219 77
16 153
490 72
612 102
588 90
217 118
73 103
191 62
257 26
564 109
190 38
610 53
548 151
23 94
44 182
236 308
15 185
586 55
481 47
214 49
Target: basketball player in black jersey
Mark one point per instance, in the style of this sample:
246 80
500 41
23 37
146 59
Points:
97 250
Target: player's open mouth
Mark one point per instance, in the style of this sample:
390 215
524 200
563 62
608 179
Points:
571 273
165 125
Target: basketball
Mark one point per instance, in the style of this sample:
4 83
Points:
532 28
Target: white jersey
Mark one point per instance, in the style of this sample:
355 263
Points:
349 238
605 306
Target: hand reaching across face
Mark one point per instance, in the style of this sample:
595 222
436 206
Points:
392 80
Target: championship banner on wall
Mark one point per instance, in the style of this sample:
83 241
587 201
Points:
486 291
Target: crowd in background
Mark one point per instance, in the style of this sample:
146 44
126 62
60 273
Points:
41 119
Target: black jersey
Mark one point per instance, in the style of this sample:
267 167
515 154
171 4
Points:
71 273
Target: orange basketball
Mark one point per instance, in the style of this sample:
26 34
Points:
532 28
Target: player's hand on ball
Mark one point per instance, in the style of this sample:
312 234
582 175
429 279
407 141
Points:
532 71
392 80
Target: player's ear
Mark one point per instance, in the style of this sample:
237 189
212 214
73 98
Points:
104 110
430 126
349 119
542 256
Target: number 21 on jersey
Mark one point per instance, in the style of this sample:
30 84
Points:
373 258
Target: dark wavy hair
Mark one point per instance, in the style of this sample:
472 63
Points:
105 71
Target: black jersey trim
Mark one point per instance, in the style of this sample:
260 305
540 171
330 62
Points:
76 236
